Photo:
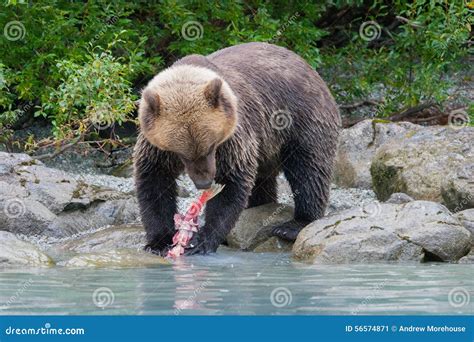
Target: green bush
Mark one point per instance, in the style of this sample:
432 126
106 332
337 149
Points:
78 63
407 65
94 95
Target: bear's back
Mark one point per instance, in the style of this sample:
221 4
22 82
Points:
270 78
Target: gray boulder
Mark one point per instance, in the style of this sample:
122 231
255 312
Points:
116 258
399 198
434 164
131 236
339 199
358 145
15 252
466 217
411 232
274 244
468 259
252 231
37 200
255 224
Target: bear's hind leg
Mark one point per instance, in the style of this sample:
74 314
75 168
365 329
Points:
264 191
310 184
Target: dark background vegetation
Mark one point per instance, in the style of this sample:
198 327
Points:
72 64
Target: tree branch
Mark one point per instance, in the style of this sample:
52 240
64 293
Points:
61 150
359 104
408 22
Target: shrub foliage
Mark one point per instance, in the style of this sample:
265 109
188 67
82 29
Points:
76 64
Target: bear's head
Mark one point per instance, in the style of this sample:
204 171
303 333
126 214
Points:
189 111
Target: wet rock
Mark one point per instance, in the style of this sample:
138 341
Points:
274 244
14 251
357 146
435 164
117 237
399 198
255 224
116 258
416 231
466 217
37 200
468 259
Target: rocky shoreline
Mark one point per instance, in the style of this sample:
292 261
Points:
421 208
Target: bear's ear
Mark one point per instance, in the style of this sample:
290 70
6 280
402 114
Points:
212 92
152 102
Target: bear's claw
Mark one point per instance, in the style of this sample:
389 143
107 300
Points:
288 231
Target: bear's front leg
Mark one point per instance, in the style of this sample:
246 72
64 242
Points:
155 177
222 212
157 199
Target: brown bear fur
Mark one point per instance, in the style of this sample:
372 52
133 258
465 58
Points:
251 111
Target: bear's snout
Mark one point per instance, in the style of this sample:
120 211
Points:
202 171
202 184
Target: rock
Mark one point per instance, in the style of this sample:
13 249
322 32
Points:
399 198
117 237
254 225
416 231
357 146
116 258
285 194
274 244
466 217
458 194
468 259
14 251
434 164
124 170
339 199
38 200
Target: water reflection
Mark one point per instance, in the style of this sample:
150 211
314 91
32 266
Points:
240 283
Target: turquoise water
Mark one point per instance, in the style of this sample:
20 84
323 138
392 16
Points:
241 283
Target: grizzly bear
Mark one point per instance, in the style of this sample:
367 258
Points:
238 117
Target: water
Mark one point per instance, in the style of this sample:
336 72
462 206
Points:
240 283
